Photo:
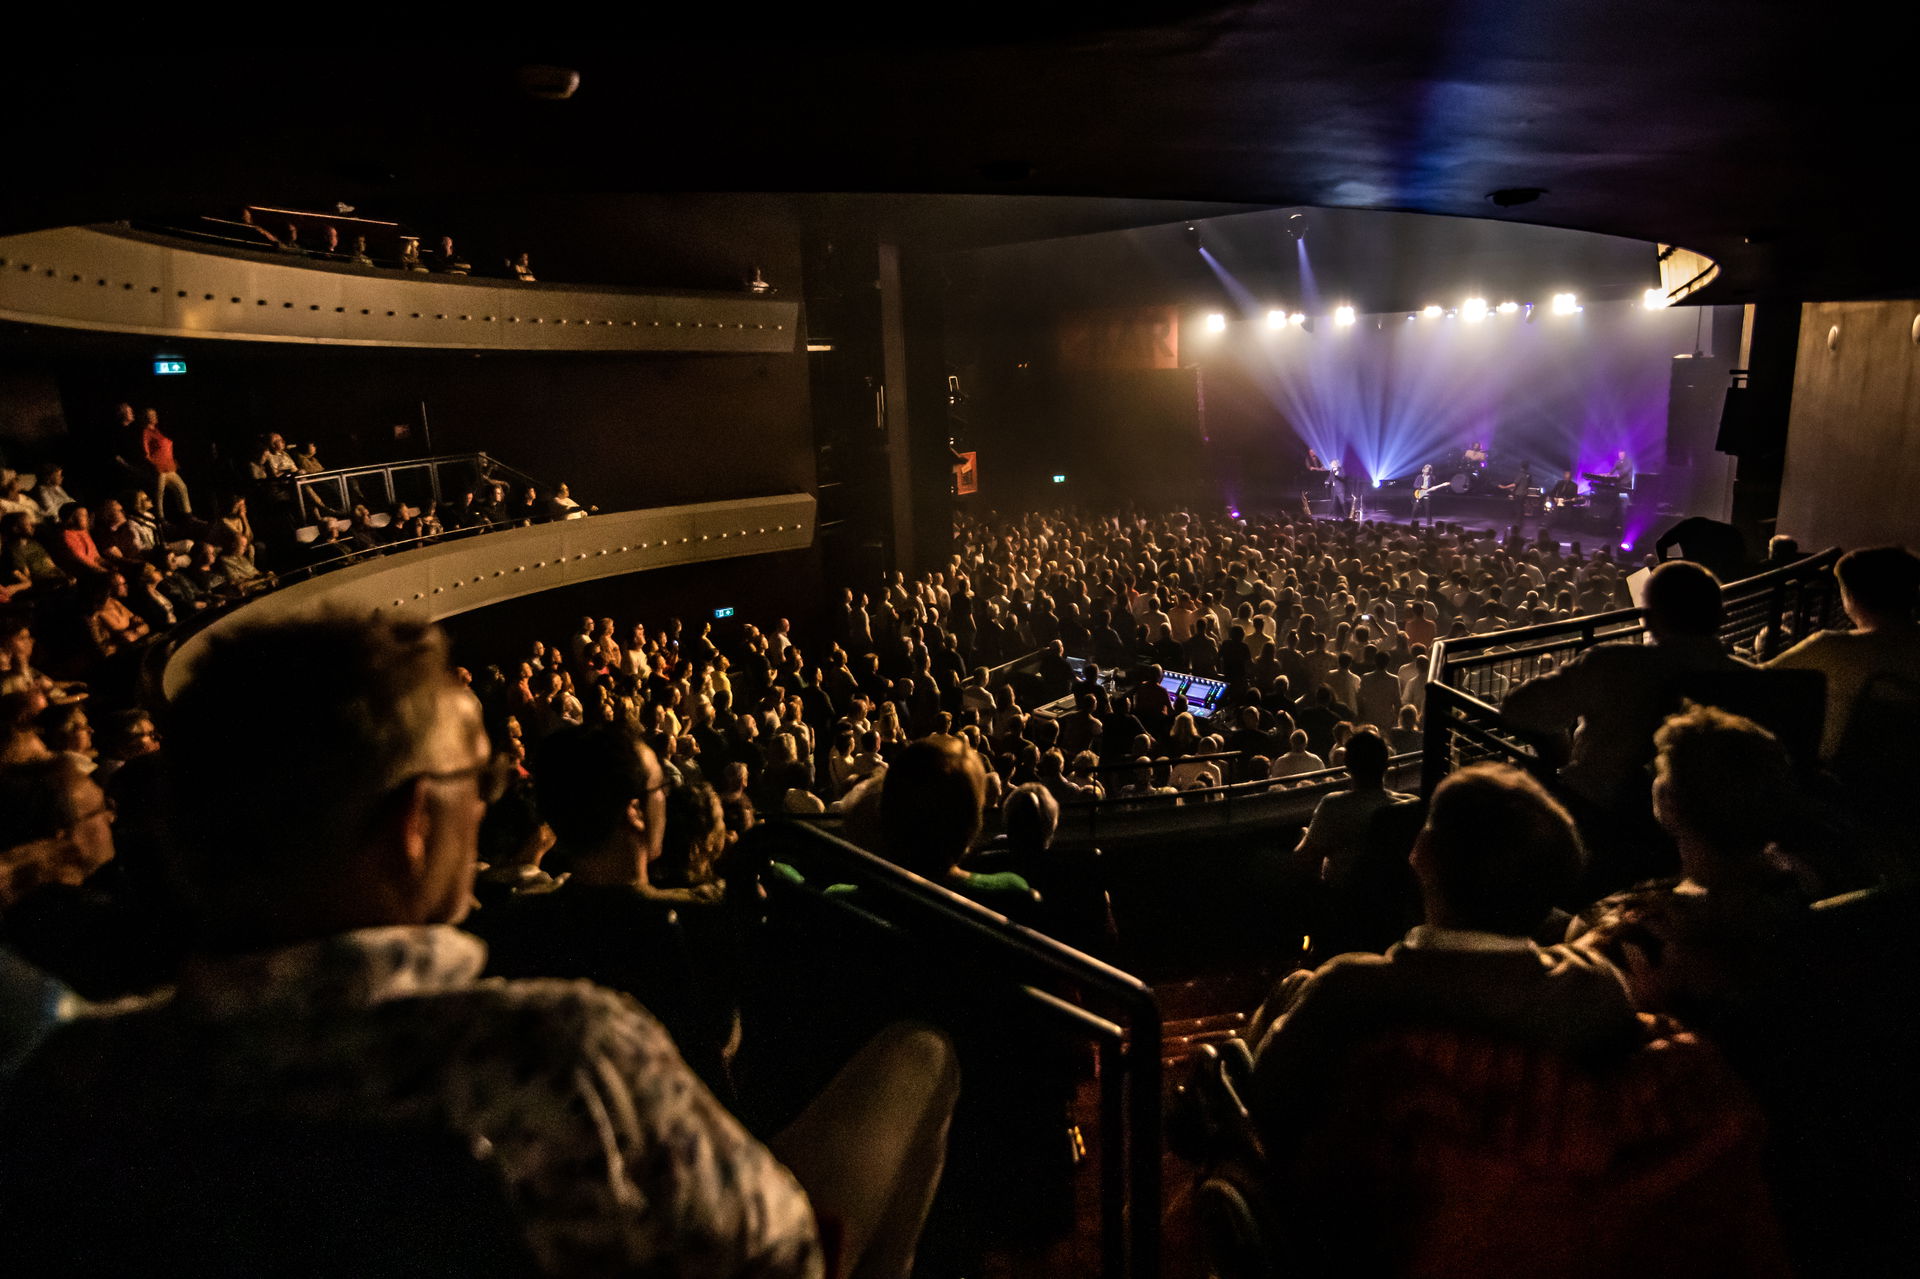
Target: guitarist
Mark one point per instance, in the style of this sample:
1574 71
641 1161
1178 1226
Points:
1423 493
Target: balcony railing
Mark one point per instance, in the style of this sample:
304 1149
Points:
1470 676
1114 1010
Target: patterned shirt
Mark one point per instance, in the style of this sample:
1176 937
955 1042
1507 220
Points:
616 1158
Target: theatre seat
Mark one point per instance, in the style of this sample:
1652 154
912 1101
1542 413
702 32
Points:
256 1196
1445 1155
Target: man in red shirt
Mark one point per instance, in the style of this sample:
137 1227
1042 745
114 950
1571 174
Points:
159 453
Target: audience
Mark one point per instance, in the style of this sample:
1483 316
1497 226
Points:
620 776
326 985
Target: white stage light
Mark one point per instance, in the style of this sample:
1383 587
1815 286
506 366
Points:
1654 299
1216 322
1297 319
1431 312
1343 315
1508 308
1565 304
1473 310
1276 319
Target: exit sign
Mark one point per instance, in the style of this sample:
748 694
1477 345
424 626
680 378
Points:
1059 479
719 613
163 367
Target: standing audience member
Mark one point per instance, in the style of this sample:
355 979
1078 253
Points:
157 448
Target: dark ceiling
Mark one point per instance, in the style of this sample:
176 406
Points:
1770 137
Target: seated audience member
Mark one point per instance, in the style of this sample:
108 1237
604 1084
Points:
1708 947
1297 759
361 536
1495 854
76 547
1618 694
25 560
14 500
50 491
513 842
236 562
931 807
1879 588
61 909
127 735
604 794
124 540
328 988
1473 1104
110 625
68 733
1336 838
561 506
1406 737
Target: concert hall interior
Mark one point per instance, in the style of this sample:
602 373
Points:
1207 640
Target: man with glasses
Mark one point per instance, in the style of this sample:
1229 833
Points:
328 995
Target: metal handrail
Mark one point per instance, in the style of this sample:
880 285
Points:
1454 713
486 468
162 645
1129 1048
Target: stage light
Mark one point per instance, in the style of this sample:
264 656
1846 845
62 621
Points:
1565 304
1276 319
1216 322
1376 481
1431 312
1343 316
1508 308
1297 319
1473 310
1626 546
1654 299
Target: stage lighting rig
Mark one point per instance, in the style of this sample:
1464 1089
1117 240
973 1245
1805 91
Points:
1344 316
1473 310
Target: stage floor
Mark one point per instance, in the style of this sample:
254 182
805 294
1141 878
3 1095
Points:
1588 526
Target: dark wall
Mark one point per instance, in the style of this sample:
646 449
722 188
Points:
624 431
760 588
1853 444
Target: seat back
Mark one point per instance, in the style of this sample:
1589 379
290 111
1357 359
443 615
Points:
257 1196
1444 1154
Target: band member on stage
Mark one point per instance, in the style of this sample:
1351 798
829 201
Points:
1317 472
1623 471
1474 455
1561 498
1337 488
1423 493
1522 483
